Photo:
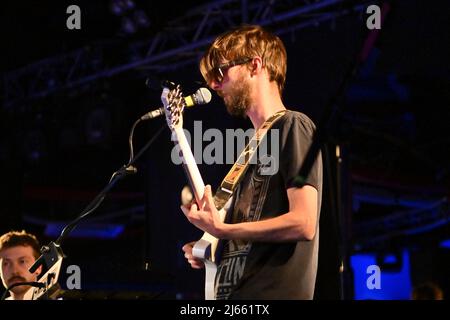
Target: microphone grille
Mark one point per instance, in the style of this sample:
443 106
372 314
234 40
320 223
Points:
202 96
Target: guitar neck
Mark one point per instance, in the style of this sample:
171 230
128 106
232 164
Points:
189 164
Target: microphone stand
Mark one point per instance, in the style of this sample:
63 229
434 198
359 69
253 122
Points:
52 254
319 140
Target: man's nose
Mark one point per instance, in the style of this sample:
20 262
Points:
15 269
15 273
215 85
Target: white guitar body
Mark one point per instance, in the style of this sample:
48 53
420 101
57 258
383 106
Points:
51 289
205 248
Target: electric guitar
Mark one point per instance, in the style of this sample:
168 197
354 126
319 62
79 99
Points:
205 248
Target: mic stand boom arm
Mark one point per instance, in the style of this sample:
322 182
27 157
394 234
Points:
320 137
52 254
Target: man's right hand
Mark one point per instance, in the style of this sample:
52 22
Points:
195 263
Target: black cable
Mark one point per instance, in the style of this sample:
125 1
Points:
28 283
130 140
116 176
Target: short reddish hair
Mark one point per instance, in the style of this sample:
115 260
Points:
20 238
248 41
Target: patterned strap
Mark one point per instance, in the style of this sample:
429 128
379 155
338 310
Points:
236 173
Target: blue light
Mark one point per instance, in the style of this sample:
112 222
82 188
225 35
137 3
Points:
102 231
390 259
393 285
445 244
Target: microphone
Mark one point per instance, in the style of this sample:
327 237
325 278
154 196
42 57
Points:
201 96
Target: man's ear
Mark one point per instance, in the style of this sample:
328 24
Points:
256 65
38 271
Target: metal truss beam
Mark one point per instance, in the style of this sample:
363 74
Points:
180 43
402 223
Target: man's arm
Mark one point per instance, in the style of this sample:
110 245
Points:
297 224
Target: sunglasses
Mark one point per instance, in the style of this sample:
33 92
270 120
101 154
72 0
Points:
217 72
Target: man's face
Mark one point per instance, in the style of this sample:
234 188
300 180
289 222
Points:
15 262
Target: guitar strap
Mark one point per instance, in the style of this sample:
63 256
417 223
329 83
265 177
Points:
237 172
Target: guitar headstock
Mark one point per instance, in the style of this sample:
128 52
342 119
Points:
174 103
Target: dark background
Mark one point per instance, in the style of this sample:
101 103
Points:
57 151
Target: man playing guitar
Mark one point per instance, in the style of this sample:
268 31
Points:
270 234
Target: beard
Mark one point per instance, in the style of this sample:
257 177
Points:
19 289
237 100
16 279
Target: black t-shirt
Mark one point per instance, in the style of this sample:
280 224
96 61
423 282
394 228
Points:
257 270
